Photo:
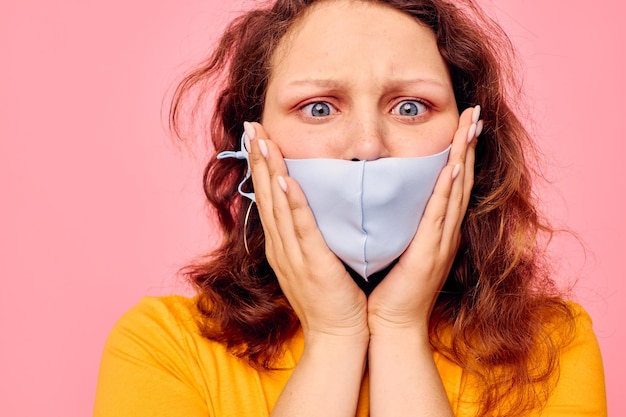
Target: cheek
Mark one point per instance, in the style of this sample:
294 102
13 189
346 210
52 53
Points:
440 135
443 136
303 143
427 140
295 141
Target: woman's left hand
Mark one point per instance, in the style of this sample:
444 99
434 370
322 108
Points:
404 299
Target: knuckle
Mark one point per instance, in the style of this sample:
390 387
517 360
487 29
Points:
262 200
255 157
302 231
276 212
439 220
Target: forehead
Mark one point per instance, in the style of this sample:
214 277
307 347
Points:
343 35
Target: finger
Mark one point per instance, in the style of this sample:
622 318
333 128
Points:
305 230
261 155
433 220
270 150
258 156
463 134
437 207
462 149
304 221
283 217
468 182
292 219
454 210
288 228
470 156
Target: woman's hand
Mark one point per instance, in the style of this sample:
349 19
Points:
403 375
404 299
327 301
330 306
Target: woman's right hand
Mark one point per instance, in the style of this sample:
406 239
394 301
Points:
327 301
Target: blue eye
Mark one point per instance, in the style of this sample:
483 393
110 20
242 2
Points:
409 108
318 109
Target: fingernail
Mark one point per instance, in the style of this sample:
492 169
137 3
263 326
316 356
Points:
249 129
282 183
246 142
476 114
471 134
479 127
455 172
263 148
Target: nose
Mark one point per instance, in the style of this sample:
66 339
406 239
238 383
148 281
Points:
367 139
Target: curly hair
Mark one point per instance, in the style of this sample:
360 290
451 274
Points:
499 306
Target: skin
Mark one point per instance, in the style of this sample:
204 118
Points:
360 96
362 92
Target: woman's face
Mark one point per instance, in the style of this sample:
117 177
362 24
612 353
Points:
359 80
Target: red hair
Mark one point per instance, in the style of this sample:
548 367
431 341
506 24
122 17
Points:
499 304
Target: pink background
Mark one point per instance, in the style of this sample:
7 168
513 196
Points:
99 208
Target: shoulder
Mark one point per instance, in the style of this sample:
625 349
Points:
580 390
575 330
157 362
165 332
145 366
583 343
160 310
154 319
571 331
153 361
159 333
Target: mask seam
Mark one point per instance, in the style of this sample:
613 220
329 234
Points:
362 204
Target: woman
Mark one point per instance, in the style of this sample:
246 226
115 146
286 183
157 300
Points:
462 319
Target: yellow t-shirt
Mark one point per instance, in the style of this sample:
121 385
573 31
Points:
156 363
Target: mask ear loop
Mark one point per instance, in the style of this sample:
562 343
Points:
245 228
242 154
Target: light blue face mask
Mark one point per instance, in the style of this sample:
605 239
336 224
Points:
367 211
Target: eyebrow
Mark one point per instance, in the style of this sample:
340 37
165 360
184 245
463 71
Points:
333 84
433 82
318 82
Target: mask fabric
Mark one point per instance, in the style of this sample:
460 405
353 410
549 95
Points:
367 211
